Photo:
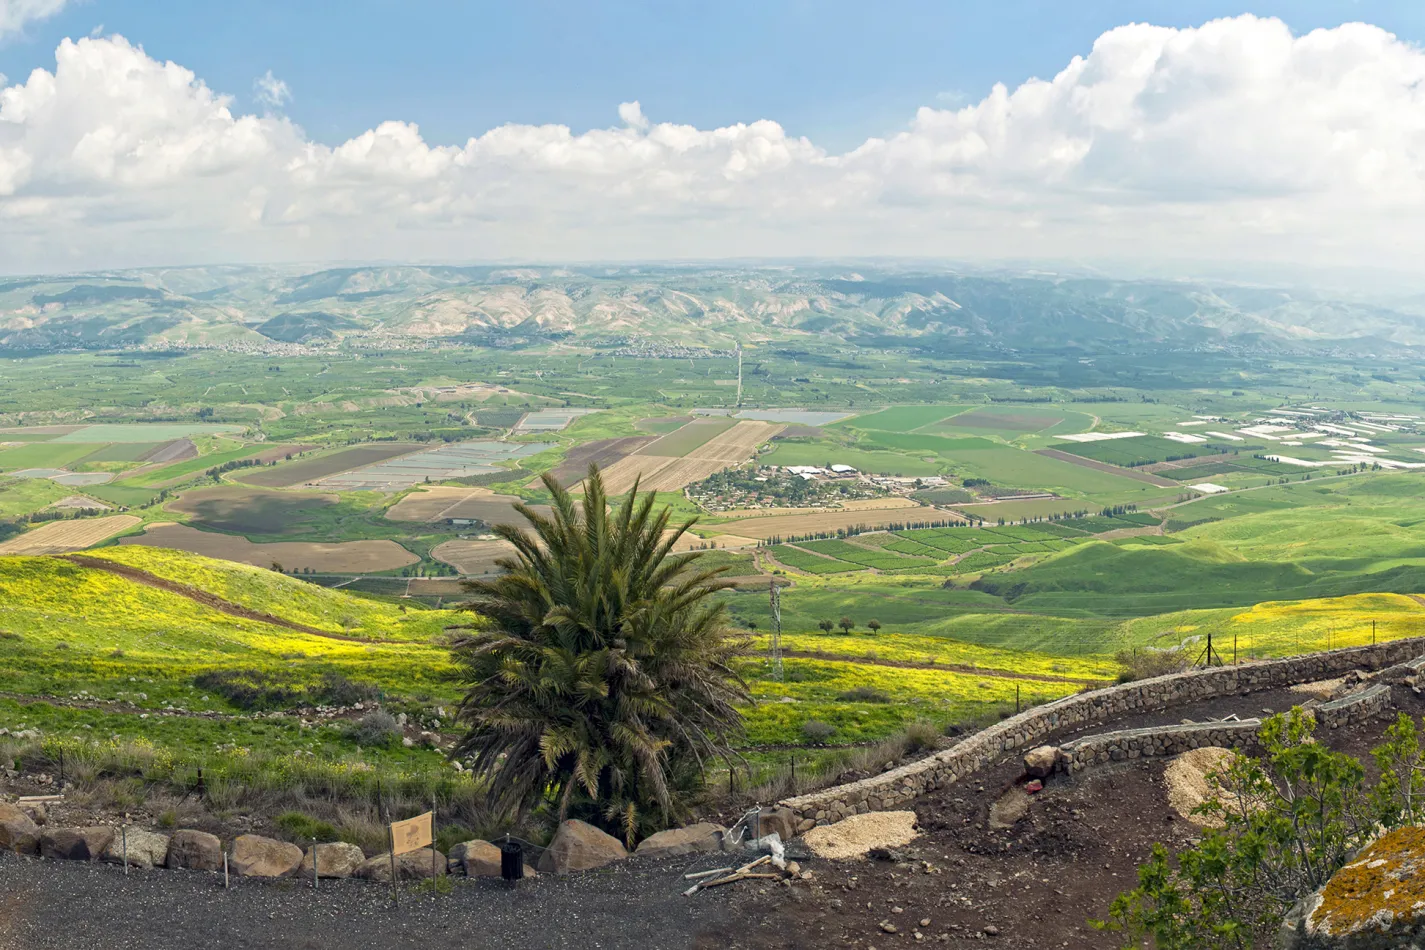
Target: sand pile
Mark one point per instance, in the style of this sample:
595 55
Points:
853 837
1188 785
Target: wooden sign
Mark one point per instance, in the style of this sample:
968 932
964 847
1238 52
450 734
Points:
412 834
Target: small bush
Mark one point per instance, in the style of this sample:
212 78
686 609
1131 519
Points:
377 728
337 690
248 689
9 635
818 731
1144 663
864 694
61 645
920 736
117 654
303 828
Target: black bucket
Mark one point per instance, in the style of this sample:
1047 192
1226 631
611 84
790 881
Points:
512 861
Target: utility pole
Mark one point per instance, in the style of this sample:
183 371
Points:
739 374
776 632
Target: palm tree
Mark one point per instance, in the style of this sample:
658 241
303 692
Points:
599 682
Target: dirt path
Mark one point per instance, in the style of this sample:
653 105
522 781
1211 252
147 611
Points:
206 599
948 667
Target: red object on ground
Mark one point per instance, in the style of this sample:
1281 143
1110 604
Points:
1034 786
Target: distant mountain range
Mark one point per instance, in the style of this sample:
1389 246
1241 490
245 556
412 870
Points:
711 306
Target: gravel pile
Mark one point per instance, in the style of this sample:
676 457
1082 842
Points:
853 837
1188 786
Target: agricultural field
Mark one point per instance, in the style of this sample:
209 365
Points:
240 510
345 557
472 557
57 537
307 470
437 503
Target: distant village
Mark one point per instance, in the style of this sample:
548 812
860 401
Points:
799 486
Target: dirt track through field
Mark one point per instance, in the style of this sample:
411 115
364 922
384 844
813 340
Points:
206 599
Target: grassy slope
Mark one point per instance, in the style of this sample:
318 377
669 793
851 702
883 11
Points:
279 595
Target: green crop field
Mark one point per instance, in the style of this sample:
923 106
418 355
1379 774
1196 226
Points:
1139 450
903 418
42 455
810 563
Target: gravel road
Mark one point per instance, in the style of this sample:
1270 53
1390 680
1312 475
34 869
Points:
64 904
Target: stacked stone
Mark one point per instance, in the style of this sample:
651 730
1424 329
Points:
1156 741
894 788
1357 707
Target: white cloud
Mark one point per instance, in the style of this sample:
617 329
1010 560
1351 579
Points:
632 114
15 15
1235 140
271 91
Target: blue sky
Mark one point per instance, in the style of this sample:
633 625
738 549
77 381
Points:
832 70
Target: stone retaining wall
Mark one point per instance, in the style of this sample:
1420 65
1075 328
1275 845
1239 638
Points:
894 788
1158 740
1354 708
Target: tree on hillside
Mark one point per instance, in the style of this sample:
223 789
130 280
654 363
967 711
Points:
598 683
827 626
846 624
873 625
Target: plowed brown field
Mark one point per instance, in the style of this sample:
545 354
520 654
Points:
355 557
737 444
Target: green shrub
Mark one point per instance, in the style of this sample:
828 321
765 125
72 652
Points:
864 694
377 728
818 731
302 828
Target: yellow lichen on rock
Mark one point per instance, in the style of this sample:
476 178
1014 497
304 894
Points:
1384 888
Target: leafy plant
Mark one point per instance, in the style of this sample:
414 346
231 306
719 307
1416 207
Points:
599 683
818 731
377 728
1291 819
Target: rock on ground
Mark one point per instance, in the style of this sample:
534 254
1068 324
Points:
853 837
479 859
18 832
256 856
783 821
1009 809
579 846
196 850
1041 762
704 836
76 844
146 849
1377 902
336 859
411 866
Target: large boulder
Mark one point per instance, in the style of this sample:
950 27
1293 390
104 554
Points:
479 859
336 859
1041 762
76 844
146 849
411 866
1373 903
704 836
783 821
256 856
579 846
18 831
195 850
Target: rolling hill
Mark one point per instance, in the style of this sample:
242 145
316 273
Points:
702 306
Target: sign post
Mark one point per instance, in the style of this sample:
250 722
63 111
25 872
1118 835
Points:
411 835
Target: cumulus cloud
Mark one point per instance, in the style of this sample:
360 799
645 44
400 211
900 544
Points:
271 91
1233 140
15 15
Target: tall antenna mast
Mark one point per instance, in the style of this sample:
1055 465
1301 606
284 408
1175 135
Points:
739 374
776 632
